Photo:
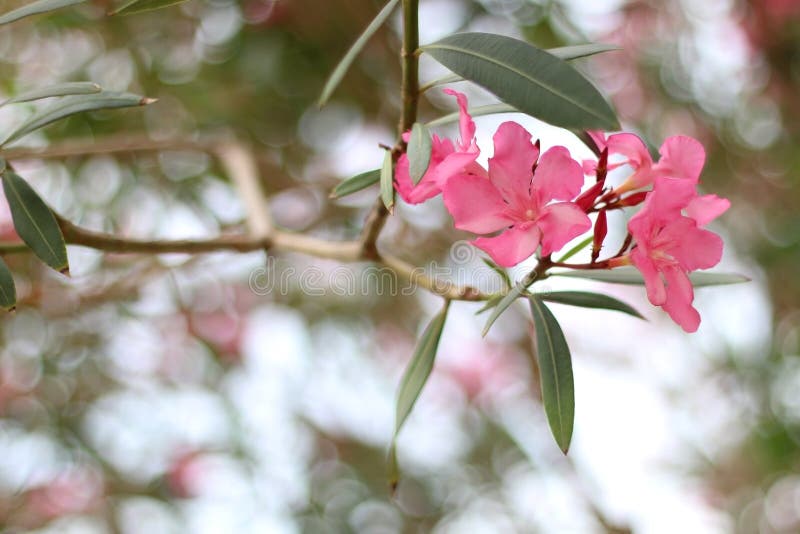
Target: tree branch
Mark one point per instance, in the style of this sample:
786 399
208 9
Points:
376 220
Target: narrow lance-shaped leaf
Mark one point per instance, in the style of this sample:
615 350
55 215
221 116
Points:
8 292
343 66
586 299
574 250
631 276
414 379
356 183
140 6
503 305
70 105
567 53
387 181
418 152
35 223
35 8
60 89
555 371
502 273
527 78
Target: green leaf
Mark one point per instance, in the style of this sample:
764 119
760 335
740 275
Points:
418 152
387 183
501 306
574 250
356 183
527 78
555 371
70 105
35 223
8 293
586 299
477 111
343 66
631 276
140 6
60 89
414 379
491 302
502 273
568 53
35 8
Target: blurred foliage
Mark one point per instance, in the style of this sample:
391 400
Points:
126 394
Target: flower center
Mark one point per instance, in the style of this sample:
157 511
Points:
530 214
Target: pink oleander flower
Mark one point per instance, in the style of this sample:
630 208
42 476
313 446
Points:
446 160
670 243
681 157
515 196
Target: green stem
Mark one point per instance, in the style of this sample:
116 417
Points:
410 81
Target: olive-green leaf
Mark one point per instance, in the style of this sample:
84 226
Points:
60 89
527 78
574 250
414 379
503 305
70 105
555 371
502 273
586 299
387 181
568 53
418 152
35 223
140 6
344 65
630 276
35 8
356 183
8 292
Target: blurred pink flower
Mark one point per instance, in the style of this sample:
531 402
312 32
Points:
446 159
514 198
670 243
681 157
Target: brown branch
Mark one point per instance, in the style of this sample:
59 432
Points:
376 220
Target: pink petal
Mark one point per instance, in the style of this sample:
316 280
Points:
632 147
425 189
557 177
465 123
453 164
679 299
706 208
692 247
668 198
656 292
681 157
511 166
475 204
512 246
561 223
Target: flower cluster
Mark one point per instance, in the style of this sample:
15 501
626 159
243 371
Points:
527 200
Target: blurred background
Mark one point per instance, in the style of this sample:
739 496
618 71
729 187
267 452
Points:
174 394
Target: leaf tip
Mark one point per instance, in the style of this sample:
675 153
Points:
65 271
145 101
